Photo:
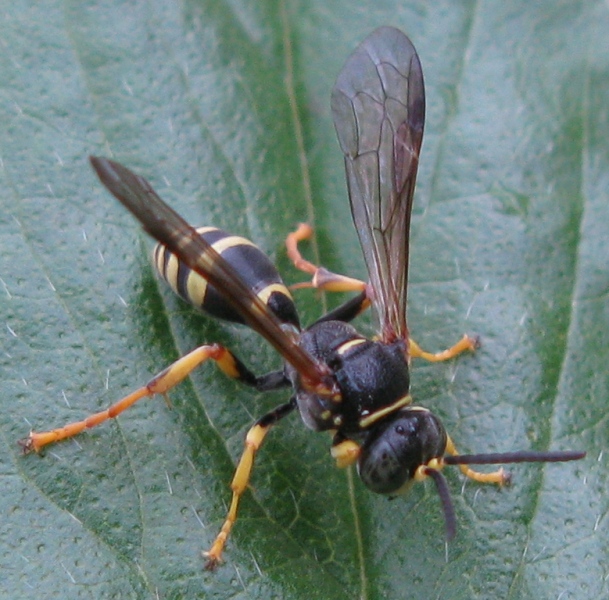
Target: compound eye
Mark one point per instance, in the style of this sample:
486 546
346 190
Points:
397 447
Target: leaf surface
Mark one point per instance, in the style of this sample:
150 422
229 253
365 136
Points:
224 107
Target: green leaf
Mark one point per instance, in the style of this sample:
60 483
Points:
224 106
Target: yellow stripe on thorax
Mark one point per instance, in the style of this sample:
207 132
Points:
344 348
383 412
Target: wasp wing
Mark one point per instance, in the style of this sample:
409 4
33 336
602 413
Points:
378 106
171 230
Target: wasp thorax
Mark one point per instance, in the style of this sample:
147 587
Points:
396 448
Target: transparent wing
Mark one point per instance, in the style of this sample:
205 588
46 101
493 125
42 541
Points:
169 228
378 106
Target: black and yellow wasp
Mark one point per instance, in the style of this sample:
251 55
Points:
356 388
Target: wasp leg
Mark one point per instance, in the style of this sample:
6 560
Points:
326 280
348 311
159 384
322 278
500 476
345 452
464 344
253 441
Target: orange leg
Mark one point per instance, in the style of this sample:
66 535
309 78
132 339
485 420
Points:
435 465
321 278
160 384
345 453
253 441
332 282
500 476
464 344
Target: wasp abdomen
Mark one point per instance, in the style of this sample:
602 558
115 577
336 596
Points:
254 267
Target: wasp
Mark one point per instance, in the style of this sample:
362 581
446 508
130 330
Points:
356 388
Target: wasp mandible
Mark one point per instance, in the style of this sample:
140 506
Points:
356 388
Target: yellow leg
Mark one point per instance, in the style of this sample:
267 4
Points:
160 384
499 477
253 441
322 278
464 344
345 453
